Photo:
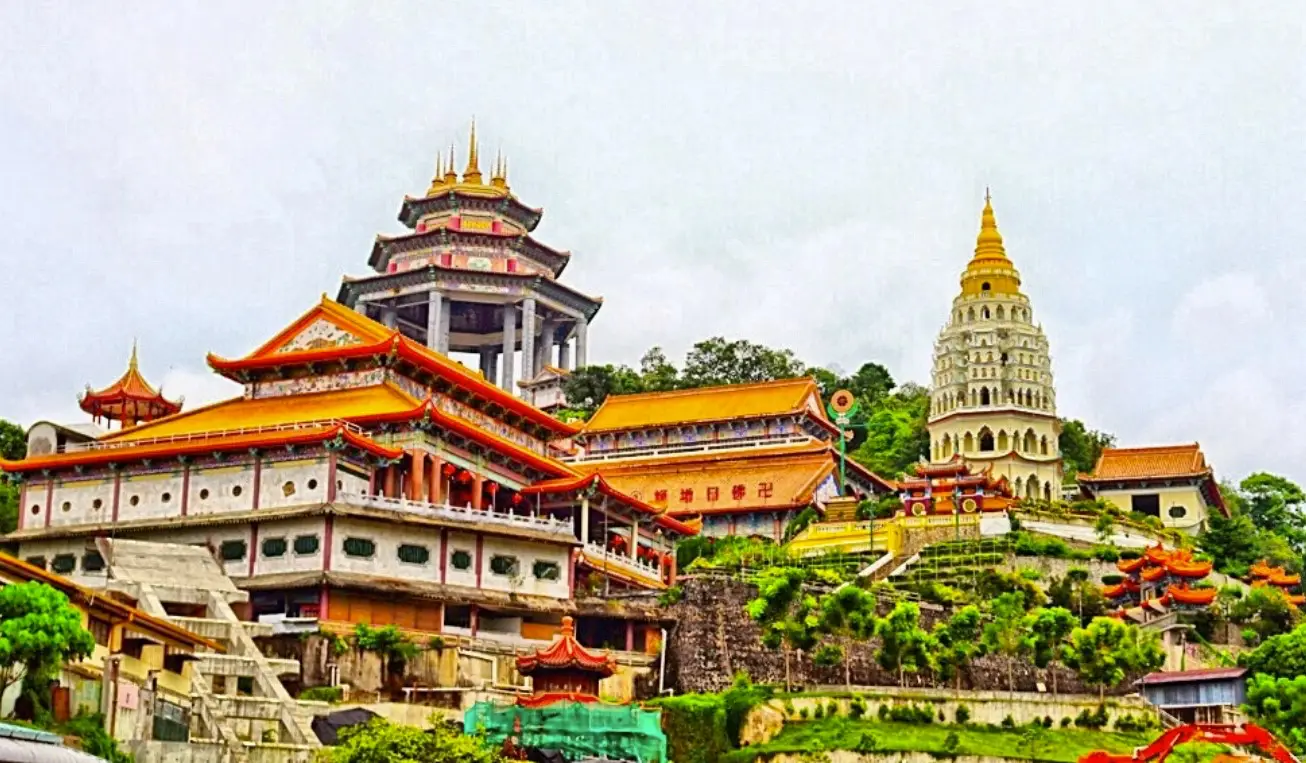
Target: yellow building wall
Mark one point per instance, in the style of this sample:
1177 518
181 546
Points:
1045 468
1189 497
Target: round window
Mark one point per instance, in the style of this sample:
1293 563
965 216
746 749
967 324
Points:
66 506
134 500
312 484
36 509
97 504
166 497
204 493
288 489
1178 512
236 491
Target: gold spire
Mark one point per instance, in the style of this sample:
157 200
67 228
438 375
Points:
473 172
990 270
450 175
132 364
438 180
499 175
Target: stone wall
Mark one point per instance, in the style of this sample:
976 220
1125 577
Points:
714 639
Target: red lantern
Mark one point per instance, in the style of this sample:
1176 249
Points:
464 476
516 499
448 470
492 487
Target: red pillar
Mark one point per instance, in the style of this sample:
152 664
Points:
437 481
117 497
49 498
323 603
328 542
332 457
390 475
371 481
185 488
253 547
476 619
444 554
258 478
478 491
480 549
417 476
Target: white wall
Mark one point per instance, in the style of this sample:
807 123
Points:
52 548
149 496
304 479
213 490
73 504
291 561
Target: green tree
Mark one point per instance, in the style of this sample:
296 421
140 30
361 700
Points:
380 741
1266 611
848 614
904 645
1282 656
8 506
13 441
1273 502
656 374
586 388
717 361
1076 593
960 642
387 642
1279 704
39 631
1230 541
1107 650
1005 632
1081 446
896 436
785 612
1049 629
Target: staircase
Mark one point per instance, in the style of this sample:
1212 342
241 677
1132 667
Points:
262 725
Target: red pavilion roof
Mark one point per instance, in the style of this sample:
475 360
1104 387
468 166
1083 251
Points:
130 399
566 653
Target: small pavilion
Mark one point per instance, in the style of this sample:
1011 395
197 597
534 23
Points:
564 670
130 401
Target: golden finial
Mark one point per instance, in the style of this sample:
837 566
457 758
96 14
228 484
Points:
989 242
498 177
473 172
438 180
450 176
132 364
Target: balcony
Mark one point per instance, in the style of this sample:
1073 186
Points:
597 554
561 528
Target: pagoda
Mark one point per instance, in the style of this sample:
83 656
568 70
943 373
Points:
937 488
564 670
470 278
1161 580
130 400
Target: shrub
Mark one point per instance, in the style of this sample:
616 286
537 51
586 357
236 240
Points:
883 713
857 708
671 596
436 643
322 694
867 743
742 696
1112 579
1065 722
1029 573
921 714
802 713
1047 721
832 709
1008 723
1107 554
819 712
1130 553
1094 720
695 725
963 714
951 742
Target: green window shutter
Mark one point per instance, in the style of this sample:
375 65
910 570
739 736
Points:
546 570
414 554
460 560
362 548
307 544
233 550
274 547
64 563
92 561
502 564
36 561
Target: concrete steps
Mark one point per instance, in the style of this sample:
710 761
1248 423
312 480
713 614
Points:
220 630
212 664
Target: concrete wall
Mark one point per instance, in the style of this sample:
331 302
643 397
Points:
293 482
291 561
1187 497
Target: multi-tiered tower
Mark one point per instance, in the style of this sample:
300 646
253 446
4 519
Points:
992 403
470 278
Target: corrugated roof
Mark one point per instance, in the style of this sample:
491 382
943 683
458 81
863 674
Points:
1183 676
723 403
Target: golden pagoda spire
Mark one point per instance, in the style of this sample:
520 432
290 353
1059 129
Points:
473 172
132 364
499 175
990 270
450 175
438 180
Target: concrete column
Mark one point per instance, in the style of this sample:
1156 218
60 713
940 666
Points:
486 354
509 346
584 519
564 355
582 343
544 352
527 339
493 373
446 309
434 319
389 315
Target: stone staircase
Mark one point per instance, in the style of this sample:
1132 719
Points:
241 711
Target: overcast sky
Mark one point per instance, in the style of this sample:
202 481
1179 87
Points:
195 175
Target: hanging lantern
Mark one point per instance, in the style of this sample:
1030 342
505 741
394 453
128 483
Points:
448 470
464 476
491 487
516 499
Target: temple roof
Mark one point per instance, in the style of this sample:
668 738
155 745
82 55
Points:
555 260
1156 462
989 270
130 398
604 487
331 332
707 404
566 653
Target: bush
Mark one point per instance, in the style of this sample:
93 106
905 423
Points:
1047 721
1029 573
857 708
1127 724
867 743
1107 554
89 727
742 696
951 742
1008 723
883 713
1094 720
695 725
1130 553
331 694
963 714
671 596
1112 579
832 709
819 712
802 713
920 714
1065 723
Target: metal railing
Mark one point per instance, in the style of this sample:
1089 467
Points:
749 443
210 435
459 513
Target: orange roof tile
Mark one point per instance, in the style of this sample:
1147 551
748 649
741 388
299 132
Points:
566 653
723 403
684 486
574 482
1150 463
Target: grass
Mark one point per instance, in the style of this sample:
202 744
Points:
1052 745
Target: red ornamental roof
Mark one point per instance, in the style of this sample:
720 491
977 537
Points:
130 399
566 653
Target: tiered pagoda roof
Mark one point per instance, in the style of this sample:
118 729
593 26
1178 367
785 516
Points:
935 488
565 670
1263 574
129 400
1168 572
732 402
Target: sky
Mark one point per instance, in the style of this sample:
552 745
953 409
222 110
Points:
193 176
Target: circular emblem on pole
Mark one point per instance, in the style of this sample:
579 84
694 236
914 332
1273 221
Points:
842 401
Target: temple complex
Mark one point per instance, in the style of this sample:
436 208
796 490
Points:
741 458
361 477
992 401
469 278
1171 482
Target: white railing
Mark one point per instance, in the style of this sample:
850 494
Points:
596 551
689 447
209 435
460 513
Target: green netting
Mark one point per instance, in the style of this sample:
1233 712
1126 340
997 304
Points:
578 730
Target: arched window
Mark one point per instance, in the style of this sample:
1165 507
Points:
1003 444
984 313
1011 396
1001 313
947 446
985 286
1031 487
969 443
1019 483
973 397
984 396
988 358
985 441
970 314
1031 442
1047 492
1043 445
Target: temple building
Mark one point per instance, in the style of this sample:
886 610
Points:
992 401
361 477
937 489
468 277
742 458
1171 482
